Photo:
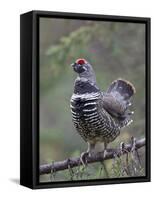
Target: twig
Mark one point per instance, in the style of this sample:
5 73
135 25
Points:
98 157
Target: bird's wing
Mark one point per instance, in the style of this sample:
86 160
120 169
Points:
113 105
117 99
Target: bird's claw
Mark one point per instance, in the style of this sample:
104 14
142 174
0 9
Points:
83 158
104 153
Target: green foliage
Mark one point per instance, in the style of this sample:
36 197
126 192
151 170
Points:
61 54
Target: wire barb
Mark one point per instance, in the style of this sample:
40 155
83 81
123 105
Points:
76 161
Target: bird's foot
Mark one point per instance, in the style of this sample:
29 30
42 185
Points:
108 151
83 158
104 153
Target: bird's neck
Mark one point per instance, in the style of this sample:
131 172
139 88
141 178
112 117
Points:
89 75
84 85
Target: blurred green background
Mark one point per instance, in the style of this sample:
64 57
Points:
115 50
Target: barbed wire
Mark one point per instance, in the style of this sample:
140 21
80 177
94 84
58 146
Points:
124 149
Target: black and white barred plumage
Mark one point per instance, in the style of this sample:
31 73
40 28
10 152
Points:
99 116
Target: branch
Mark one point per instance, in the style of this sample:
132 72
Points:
74 162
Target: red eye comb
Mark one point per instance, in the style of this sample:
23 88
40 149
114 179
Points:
81 61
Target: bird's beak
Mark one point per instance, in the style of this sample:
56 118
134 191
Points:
73 64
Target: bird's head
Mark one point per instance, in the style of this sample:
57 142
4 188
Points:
84 69
81 65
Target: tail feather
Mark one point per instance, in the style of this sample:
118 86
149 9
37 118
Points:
122 91
122 88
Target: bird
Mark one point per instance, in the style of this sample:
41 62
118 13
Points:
99 116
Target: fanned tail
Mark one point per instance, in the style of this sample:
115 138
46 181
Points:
123 90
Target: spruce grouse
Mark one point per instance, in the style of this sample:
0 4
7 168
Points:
98 116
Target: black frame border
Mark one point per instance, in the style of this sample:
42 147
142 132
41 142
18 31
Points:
29 62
